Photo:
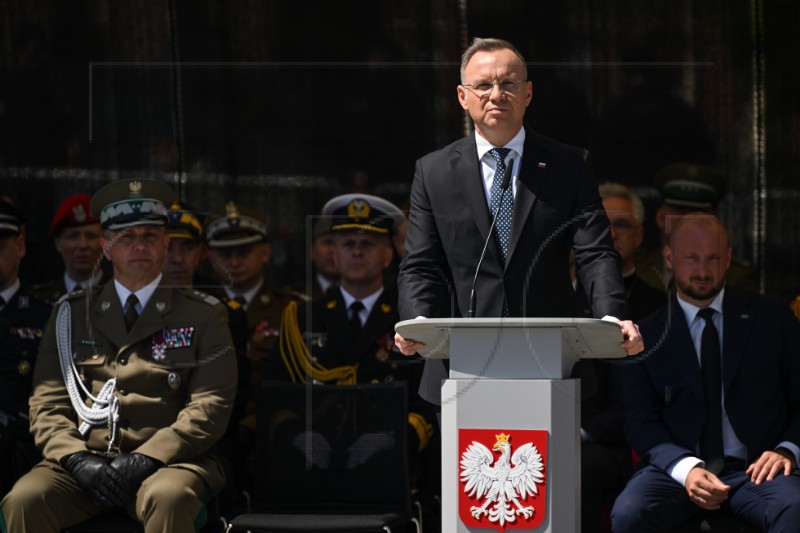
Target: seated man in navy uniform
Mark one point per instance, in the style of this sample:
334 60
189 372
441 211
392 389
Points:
22 317
133 385
352 326
76 235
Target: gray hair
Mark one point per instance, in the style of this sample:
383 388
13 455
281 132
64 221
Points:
488 45
617 190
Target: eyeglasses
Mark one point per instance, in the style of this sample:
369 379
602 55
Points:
484 89
622 225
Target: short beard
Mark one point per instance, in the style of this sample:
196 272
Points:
697 295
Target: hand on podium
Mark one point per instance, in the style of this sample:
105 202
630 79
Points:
407 346
632 341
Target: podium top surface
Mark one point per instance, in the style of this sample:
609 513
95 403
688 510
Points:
590 338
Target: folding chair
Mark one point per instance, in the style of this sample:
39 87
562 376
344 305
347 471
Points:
330 458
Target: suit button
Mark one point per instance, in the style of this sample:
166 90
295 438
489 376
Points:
123 361
123 392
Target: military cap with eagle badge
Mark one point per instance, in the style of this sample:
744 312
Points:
133 202
363 212
236 226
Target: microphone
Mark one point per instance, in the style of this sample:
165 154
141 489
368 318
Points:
503 187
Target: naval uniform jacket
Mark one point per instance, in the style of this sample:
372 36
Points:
175 370
372 351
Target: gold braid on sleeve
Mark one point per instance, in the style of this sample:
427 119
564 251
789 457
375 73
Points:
298 359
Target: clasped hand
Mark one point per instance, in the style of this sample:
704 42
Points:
110 483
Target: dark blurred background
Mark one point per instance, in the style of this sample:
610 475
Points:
280 105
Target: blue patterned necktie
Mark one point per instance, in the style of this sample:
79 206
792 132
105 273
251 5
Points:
502 228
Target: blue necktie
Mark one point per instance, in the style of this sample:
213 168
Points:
502 228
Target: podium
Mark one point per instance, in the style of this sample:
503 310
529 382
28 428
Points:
509 386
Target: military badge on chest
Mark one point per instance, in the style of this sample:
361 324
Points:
263 330
385 345
171 338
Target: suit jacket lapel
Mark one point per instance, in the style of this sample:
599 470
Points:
466 172
535 165
685 356
378 323
108 315
151 319
737 325
336 321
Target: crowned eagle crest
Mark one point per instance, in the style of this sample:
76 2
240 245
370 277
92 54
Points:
501 486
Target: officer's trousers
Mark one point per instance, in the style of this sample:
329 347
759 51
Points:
47 499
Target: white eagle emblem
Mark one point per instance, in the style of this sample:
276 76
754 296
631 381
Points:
505 483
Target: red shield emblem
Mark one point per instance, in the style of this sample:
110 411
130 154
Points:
502 478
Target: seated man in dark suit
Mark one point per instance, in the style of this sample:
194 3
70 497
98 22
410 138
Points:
713 408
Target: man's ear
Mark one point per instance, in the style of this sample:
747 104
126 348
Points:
667 251
462 97
106 244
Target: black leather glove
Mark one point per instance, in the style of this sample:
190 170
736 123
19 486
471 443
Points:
96 477
134 468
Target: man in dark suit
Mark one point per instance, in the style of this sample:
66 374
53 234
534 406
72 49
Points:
555 206
713 409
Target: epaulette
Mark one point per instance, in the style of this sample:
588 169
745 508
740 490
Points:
45 286
292 293
198 295
80 293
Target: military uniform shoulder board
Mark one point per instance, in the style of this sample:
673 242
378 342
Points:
199 295
74 295
291 293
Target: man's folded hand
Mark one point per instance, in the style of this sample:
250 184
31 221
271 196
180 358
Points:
134 468
95 476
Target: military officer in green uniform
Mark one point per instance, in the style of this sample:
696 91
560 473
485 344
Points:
22 319
76 235
133 385
239 251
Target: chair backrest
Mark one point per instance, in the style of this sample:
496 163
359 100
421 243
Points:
365 468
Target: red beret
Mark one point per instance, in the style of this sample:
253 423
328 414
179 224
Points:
74 211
